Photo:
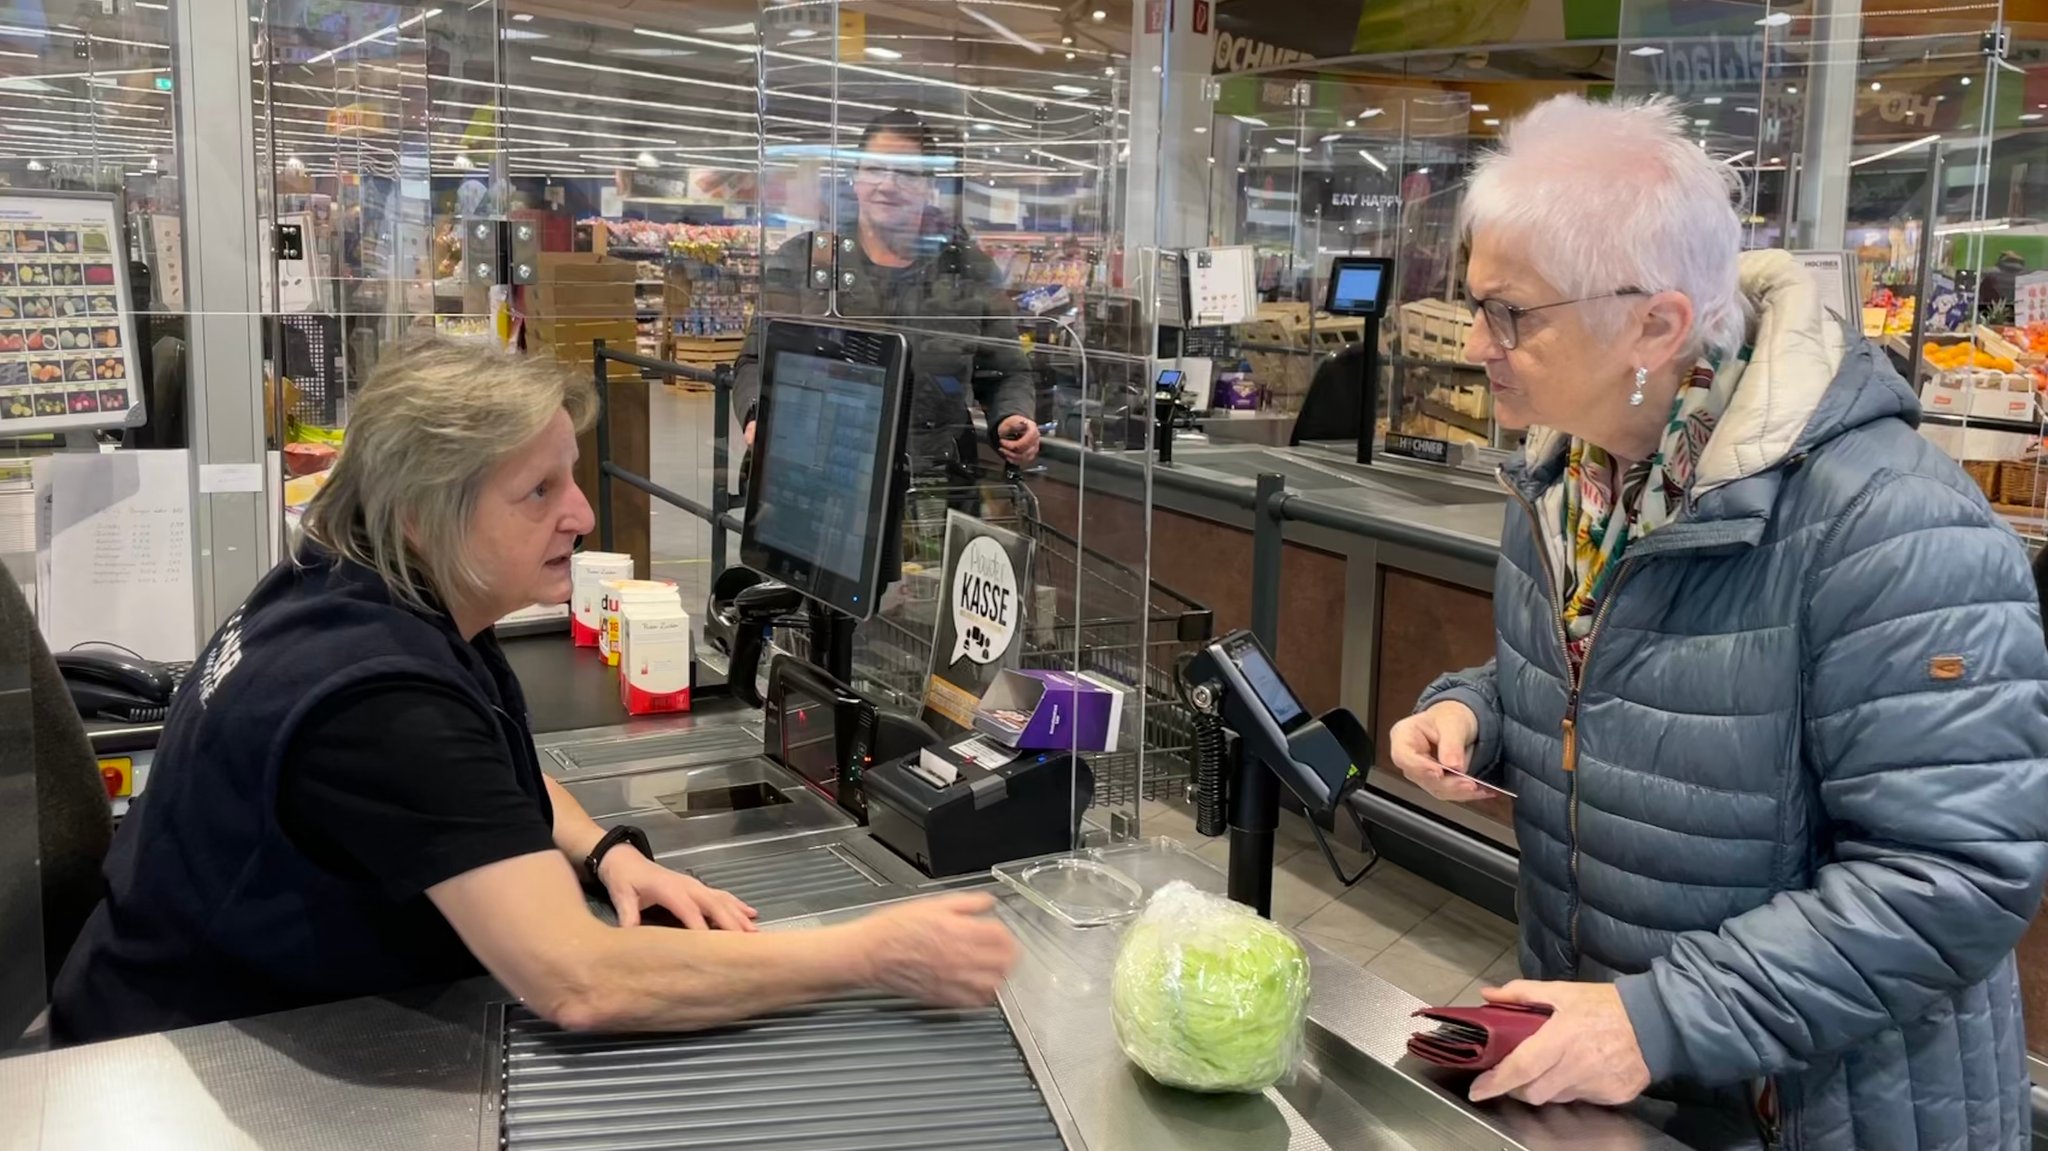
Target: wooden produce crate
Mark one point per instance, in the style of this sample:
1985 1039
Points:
1434 330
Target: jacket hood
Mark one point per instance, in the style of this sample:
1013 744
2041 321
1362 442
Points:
1811 378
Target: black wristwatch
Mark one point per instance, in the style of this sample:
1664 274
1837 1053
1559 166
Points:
624 833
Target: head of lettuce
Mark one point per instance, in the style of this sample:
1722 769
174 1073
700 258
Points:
1206 995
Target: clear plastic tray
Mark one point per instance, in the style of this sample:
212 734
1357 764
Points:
1079 892
1105 885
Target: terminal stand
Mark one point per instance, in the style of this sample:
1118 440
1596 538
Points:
1320 759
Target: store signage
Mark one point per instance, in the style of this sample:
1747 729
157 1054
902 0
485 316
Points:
1713 64
1155 16
986 574
1422 448
1243 54
1201 18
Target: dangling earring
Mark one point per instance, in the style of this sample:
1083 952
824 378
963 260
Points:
1635 398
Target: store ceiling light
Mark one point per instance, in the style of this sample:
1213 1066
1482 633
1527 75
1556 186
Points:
646 160
2030 117
1750 111
39 166
1269 149
1491 122
1876 86
22 55
520 34
1482 107
1701 123
523 17
1791 89
1908 146
1070 55
1254 121
1073 89
729 30
1284 140
802 33
1775 20
1303 148
1711 101
17 30
1966 81
1646 50
1201 129
1369 158
1240 168
984 127
881 53
1098 15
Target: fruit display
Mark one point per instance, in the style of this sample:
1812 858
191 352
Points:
1955 357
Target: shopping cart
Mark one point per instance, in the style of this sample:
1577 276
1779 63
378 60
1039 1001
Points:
1087 612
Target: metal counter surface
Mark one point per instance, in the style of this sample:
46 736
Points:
416 1071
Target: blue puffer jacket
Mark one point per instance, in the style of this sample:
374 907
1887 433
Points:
1806 827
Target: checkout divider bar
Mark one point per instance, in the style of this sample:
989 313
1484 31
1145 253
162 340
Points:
716 513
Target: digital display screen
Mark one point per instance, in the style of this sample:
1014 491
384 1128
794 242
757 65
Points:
818 468
1170 380
1357 288
1266 683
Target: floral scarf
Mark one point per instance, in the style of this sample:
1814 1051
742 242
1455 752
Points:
1588 531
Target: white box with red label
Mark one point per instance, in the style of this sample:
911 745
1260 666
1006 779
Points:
655 658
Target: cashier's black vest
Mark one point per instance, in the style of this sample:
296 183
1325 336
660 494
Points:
211 912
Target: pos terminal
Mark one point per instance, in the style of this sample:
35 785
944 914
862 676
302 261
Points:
824 526
1320 758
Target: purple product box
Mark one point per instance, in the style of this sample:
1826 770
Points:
1051 710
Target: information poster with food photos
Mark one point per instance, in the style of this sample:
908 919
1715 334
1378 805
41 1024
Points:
67 355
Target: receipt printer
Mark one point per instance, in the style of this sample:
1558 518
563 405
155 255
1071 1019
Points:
970 803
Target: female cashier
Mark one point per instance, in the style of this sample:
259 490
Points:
346 800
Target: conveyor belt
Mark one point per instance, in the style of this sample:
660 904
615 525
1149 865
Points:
584 759
790 875
863 1074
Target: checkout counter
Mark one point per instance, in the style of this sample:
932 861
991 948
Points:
460 1067
720 796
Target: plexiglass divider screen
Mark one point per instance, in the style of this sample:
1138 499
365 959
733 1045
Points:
962 177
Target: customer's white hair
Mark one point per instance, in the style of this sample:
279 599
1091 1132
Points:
1612 196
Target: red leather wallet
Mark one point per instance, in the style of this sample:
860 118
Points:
1475 1038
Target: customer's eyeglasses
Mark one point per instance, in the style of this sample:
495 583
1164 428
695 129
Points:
900 174
1504 319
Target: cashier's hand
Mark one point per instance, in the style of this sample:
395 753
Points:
748 434
635 882
1022 450
1587 1052
1433 746
947 950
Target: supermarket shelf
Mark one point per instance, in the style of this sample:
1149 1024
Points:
1983 423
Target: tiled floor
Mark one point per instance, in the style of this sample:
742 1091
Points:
1395 924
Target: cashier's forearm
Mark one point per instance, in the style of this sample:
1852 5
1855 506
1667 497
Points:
525 920
575 832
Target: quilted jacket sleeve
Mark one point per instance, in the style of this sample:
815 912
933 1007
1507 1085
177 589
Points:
1479 689
1926 727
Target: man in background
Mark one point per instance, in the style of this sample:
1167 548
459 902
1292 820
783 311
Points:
915 270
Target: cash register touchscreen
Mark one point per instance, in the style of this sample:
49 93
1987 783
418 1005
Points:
825 444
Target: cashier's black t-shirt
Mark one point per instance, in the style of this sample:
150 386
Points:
405 784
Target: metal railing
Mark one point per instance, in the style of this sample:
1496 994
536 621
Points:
721 383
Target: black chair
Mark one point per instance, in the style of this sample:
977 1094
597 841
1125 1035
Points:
52 806
1331 408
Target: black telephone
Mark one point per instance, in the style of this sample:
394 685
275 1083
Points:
116 685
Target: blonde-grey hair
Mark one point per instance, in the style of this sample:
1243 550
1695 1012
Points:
436 415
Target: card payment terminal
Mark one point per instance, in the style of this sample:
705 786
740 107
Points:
1312 756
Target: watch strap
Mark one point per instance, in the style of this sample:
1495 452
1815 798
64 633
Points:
624 833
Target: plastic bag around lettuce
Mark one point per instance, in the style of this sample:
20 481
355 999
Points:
1206 995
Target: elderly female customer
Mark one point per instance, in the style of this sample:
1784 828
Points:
346 799
1768 680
